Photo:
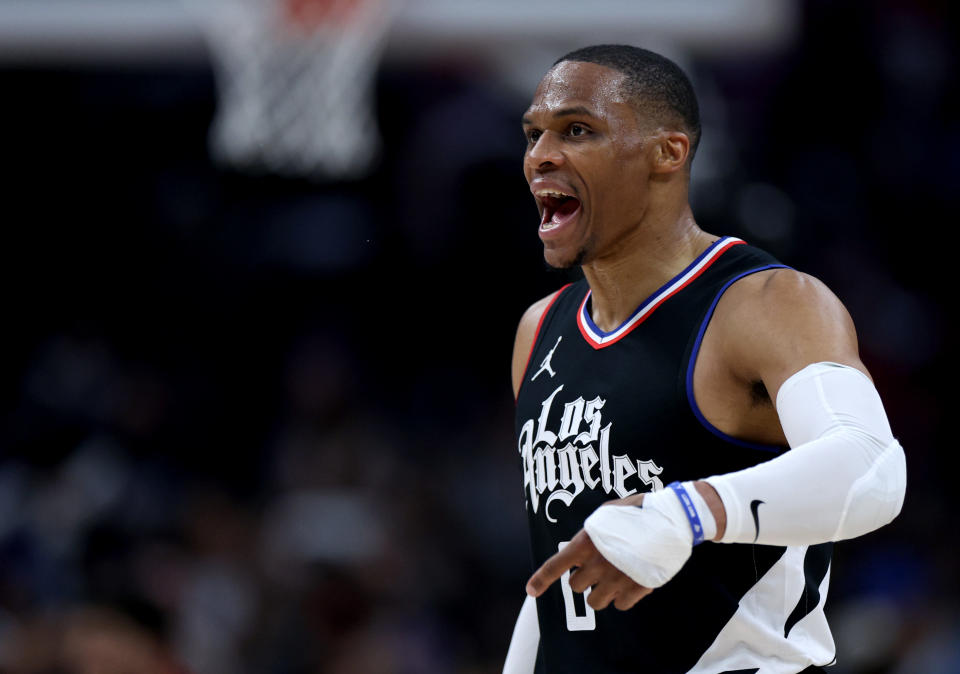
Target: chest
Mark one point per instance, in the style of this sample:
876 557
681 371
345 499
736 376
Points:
600 424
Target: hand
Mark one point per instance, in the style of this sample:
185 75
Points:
643 548
609 583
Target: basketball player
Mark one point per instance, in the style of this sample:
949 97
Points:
691 389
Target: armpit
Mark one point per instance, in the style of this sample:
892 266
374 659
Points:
759 395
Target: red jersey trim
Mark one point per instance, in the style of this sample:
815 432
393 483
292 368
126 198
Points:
599 339
536 334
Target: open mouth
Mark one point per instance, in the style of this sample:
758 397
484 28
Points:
558 208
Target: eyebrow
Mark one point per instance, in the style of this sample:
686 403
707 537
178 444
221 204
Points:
574 111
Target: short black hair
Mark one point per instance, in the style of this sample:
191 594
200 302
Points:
653 82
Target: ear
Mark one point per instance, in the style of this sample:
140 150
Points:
672 148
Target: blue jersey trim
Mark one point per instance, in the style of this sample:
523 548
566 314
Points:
659 291
693 361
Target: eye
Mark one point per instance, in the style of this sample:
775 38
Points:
577 130
533 135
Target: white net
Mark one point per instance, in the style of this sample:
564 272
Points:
295 81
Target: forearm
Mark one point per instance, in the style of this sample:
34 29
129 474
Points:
844 477
715 503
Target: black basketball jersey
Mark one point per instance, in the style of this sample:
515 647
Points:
603 415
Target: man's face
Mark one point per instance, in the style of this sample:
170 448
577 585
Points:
585 162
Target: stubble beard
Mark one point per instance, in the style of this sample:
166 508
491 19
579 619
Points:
575 262
578 260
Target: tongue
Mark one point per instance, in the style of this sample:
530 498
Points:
565 211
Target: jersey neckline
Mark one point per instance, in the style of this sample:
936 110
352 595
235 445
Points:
600 339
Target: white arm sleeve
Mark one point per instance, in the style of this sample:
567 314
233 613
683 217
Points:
522 654
844 476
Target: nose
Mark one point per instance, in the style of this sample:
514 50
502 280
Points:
545 152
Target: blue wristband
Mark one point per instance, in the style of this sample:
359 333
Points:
690 510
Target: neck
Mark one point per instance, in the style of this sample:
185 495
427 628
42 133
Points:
644 260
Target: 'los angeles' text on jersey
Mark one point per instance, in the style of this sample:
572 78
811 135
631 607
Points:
559 465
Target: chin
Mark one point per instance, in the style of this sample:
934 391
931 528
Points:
556 260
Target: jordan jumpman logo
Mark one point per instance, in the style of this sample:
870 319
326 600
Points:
546 361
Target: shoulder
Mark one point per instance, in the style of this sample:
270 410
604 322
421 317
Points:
776 322
527 333
778 294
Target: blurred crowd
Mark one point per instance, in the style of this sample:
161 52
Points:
252 424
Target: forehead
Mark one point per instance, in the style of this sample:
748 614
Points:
572 83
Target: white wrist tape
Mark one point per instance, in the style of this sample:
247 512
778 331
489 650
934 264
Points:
844 476
522 654
650 543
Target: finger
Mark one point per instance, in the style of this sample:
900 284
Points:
629 597
551 570
601 595
585 576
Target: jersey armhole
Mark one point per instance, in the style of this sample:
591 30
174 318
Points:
692 362
536 335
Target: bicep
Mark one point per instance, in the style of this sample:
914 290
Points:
783 321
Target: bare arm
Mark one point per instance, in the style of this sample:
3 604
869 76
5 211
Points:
774 324
771 326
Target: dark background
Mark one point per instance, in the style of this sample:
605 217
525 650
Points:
261 424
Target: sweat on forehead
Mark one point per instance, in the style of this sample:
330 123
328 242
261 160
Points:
583 89
601 82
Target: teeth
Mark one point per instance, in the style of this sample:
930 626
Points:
553 193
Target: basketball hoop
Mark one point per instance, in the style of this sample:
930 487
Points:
295 83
